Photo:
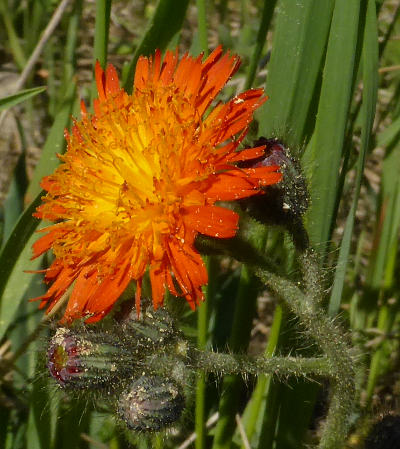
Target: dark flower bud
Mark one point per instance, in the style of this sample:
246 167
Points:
150 404
155 328
385 434
81 359
283 203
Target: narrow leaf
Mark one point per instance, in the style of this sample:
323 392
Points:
12 100
55 143
298 48
14 259
323 154
166 22
370 90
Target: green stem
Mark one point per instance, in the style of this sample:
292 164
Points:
202 339
222 363
333 343
202 25
101 32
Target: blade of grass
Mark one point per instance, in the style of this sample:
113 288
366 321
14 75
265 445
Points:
12 100
386 233
55 143
47 33
202 343
13 39
203 311
14 259
370 90
101 33
323 154
232 386
384 41
383 263
268 10
245 306
14 202
70 53
256 407
298 46
165 23
202 25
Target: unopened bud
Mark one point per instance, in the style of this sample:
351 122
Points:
155 328
150 404
283 203
80 359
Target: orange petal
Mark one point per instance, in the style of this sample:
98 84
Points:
214 221
141 73
189 270
158 284
247 154
99 74
84 287
138 296
265 175
83 109
111 81
168 67
230 186
216 71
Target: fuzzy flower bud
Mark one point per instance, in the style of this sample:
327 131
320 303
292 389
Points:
150 404
284 203
80 359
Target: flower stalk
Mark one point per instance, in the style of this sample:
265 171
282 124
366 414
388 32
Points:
330 338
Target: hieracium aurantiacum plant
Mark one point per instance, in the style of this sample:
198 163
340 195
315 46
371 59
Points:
142 179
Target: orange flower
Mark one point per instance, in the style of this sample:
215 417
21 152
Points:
140 180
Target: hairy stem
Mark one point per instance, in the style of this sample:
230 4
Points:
334 345
223 363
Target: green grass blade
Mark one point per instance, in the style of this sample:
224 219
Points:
166 22
257 406
323 154
389 220
370 90
13 40
14 259
232 386
203 311
101 32
71 46
55 143
245 306
266 17
202 342
12 100
389 134
298 47
202 25
14 203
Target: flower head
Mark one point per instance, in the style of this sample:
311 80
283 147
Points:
141 178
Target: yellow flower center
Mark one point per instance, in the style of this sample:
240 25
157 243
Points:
129 170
